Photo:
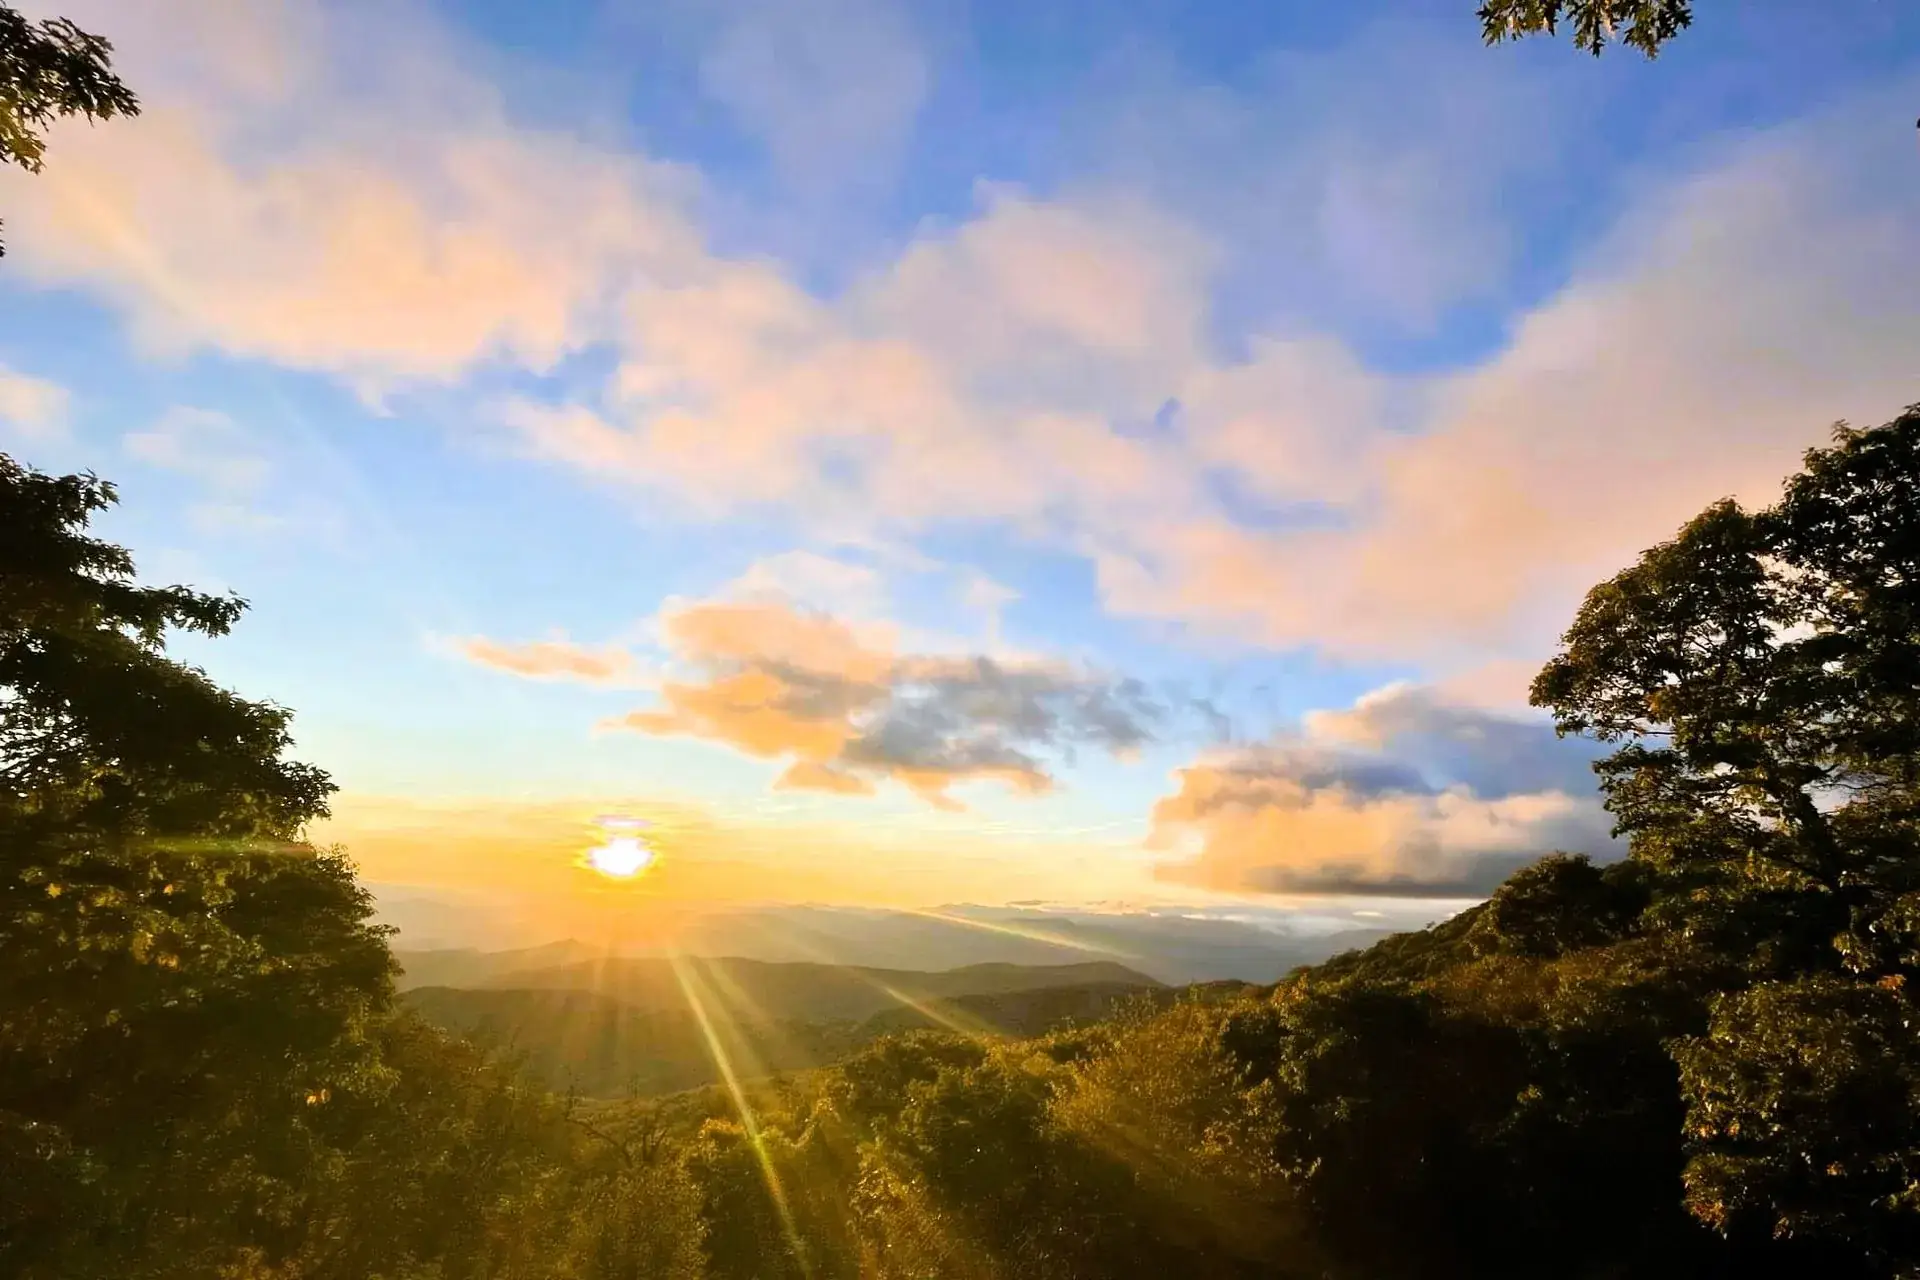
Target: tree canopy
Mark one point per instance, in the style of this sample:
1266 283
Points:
1645 25
51 69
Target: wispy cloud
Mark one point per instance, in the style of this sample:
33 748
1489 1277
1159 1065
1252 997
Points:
32 410
228 462
333 212
558 659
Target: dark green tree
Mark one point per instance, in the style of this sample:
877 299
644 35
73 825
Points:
1645 25
187 990
1804 1111
1760 677
51 69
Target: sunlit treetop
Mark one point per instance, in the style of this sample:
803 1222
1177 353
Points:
1645 25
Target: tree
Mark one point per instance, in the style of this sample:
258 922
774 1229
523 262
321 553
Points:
187 990
1645 25
51 69
1760 675
1804 1110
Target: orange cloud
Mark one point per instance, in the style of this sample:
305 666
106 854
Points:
847 712
810 775
1263 834
553 660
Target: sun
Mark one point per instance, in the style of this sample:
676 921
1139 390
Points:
622 857
623 852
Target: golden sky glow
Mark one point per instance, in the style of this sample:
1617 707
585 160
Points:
557 861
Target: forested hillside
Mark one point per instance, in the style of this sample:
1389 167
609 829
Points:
1701 1061
755 989
768 1018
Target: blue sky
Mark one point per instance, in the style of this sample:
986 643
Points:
1150 437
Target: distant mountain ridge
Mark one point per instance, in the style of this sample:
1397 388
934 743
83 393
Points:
613 1025
802 990
1176 946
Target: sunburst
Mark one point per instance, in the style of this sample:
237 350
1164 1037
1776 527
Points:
624 853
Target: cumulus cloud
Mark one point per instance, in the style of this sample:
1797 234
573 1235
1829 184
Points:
1292 496
846 710
1046 365
1404 792
1451 744
1693 357
362 209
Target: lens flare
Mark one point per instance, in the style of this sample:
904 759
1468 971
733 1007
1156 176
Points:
622 857
623 853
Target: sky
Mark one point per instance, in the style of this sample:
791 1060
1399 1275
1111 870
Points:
960 451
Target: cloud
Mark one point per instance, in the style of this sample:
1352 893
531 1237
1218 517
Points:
32 410
979 380
809 578
554 660
1402 793
228 462
1454 745
1378 181
362 210
1046 366
846 710
1294 496
205 444
1691 357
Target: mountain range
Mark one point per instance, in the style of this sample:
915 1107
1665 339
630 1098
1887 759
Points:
606 1026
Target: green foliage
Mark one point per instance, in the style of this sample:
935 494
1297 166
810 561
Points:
1559 904
184 987
1761 673
603 1046
641 1222
1645 25
50 69
103 738
1803 1116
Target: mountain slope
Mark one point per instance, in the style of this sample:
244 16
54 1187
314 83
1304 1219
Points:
609 1028
757 991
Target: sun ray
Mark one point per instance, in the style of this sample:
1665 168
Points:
723 1063
1018 931
952 1019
